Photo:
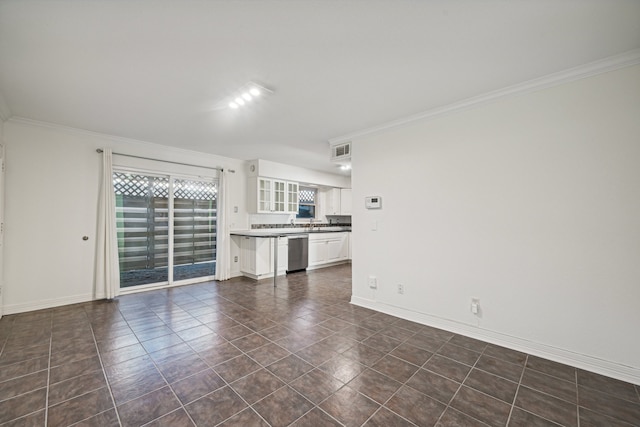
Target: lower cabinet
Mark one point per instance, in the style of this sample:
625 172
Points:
256 256
326 248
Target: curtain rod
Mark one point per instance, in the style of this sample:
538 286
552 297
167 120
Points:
100 150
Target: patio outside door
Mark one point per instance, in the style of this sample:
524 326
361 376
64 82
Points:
166 229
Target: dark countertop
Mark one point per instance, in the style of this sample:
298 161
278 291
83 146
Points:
280 232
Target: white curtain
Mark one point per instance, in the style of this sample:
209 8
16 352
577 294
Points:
107 280
223 244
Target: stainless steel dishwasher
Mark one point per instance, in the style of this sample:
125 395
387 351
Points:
298 252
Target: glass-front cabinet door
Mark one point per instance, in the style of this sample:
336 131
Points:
264 195
279 195
292 197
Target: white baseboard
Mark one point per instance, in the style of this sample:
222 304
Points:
581 361
329 264
49 303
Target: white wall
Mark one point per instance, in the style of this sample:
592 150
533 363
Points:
268 169
530 203
52 182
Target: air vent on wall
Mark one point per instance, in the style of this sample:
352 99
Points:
341 151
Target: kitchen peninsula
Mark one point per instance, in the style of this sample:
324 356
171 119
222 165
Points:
265 250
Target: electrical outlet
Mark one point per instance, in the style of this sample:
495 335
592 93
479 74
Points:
475 306
400 288
235 258
373 282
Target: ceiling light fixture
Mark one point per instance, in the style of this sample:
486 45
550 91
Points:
247 94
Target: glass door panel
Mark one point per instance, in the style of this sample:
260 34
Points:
278 196
264 198
194 228
142 217
292 197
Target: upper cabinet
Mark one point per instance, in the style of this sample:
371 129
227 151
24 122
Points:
268 195
292 197
339 201
345 201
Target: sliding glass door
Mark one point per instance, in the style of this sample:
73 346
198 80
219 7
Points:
166 228
194 228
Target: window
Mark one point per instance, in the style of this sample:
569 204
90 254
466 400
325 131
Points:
307 202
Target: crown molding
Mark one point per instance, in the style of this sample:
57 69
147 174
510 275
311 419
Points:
626 59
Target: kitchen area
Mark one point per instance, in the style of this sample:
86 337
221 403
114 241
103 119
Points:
298 220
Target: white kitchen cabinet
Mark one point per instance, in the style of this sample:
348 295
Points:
328 248
292 197
339 201
338 248
266 195
256 256
333 202
345 201
318 252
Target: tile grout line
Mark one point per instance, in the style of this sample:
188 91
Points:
577 399
515 396
375 332
168 384
461 382
405 382
286 383
46 400
104 373
227 384
314 367
244 353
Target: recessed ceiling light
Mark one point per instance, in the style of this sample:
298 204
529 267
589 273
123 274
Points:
244 96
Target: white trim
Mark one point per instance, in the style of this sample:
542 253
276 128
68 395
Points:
581 361
329 264
49 303
612 63
281 272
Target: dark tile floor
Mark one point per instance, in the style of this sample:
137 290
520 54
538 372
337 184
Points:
239 353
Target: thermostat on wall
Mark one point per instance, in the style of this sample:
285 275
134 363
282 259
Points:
373 202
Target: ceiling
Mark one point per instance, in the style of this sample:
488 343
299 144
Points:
158 70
